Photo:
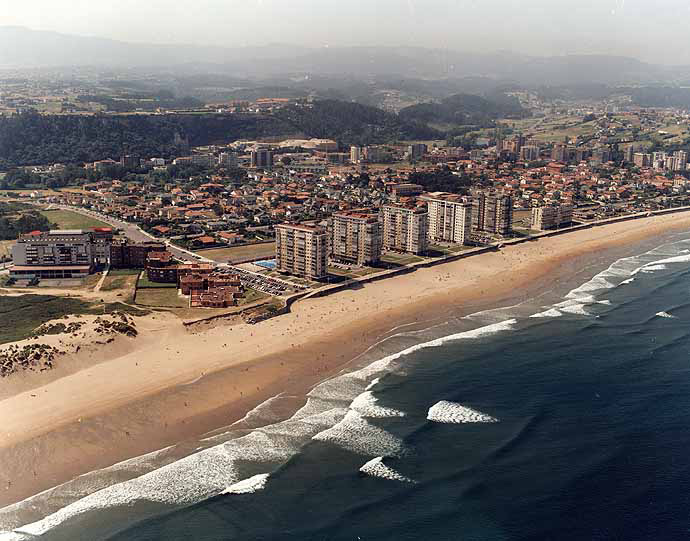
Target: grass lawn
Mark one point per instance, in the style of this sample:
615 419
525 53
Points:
124 272
401 259
161 297
145 283
235 253
65 219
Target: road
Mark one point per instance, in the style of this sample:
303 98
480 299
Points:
136 234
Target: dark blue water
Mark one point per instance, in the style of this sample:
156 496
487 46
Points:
593 438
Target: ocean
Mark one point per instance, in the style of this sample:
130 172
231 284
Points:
564 417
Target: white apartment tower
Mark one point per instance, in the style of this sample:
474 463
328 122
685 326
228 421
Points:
405 229
302 250
450 218
356 237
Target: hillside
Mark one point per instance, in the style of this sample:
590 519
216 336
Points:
30 138
464 109
354 124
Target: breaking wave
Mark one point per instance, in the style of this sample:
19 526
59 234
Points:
248 486
453 413
376 468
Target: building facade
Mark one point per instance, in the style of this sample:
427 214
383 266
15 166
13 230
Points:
405 229
302 250
492 213
54 254
450 218
551 217
356 237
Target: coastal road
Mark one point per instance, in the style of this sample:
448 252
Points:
136 234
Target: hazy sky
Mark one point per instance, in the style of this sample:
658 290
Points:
654 30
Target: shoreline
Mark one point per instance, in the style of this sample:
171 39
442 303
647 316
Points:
154 397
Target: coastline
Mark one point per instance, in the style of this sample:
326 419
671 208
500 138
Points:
184 385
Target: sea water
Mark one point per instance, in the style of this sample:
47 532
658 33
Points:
566 419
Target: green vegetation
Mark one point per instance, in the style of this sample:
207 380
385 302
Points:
65 219
30 138
145 283
124 272
18 218
161 298
20 316
354 123
401 259
443 180
112 283
462 109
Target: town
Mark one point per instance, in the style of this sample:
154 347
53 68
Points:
250 221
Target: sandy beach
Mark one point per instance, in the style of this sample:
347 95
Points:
173 383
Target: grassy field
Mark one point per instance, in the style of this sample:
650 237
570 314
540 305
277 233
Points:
112 283
161 298
145 283
236 253
19 316
124 272
65 219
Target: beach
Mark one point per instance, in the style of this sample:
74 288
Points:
174 383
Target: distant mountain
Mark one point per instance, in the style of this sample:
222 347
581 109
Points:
21 47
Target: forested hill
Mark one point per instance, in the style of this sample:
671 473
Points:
31 139
352 123
464 109
34 139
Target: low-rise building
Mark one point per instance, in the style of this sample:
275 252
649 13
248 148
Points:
551 217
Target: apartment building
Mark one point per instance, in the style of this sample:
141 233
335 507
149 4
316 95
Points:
53 254
261 158
302 250
405 229
492 213
551 217
450 218
356 237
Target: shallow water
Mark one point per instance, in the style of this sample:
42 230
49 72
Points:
564 420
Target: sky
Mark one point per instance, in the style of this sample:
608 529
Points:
651 30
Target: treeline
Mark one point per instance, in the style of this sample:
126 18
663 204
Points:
15 220
442 180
